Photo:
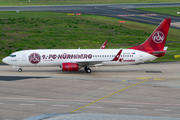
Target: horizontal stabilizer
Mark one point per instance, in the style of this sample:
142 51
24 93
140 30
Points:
165 48
159 52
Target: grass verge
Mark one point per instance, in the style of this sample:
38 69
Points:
163 10
38 30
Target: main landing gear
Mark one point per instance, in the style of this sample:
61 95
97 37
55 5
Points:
20 70
87 69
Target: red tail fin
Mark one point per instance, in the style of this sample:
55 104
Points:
157 39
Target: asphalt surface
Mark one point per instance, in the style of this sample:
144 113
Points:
134 92
121 11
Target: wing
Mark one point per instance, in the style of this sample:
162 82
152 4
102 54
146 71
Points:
95 62
85 63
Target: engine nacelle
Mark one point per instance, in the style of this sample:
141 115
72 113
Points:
70 67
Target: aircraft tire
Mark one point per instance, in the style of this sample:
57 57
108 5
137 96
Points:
88 70
85 68
20 70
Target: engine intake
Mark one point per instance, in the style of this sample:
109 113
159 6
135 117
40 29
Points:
70 67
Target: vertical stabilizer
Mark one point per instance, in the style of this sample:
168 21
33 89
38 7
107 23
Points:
157 39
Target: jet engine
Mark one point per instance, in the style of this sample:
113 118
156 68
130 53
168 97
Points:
70 67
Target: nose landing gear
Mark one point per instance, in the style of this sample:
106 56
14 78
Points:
20 70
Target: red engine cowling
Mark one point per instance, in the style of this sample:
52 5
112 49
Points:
70 67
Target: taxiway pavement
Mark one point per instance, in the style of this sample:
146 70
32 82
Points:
143 90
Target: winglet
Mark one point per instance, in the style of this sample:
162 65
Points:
103 45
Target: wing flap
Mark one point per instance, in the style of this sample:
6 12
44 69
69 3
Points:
90 63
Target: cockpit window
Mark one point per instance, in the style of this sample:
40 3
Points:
12 55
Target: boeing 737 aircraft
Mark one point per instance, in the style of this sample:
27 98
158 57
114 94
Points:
74 59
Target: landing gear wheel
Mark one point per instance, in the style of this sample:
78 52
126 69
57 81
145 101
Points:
20 70
88 70
85 68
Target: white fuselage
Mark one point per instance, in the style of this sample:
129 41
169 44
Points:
55 57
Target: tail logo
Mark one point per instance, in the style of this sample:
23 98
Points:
158 37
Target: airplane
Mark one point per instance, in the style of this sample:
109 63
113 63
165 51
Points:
75 59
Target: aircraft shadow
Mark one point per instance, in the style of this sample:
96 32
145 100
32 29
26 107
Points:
13 78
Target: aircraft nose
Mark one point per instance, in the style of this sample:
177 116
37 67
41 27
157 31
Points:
5 60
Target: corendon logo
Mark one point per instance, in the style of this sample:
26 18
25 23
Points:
158 37
122 60
34 58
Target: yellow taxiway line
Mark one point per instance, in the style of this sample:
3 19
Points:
108 96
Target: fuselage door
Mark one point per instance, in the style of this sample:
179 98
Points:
141 56
24 56
9 60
